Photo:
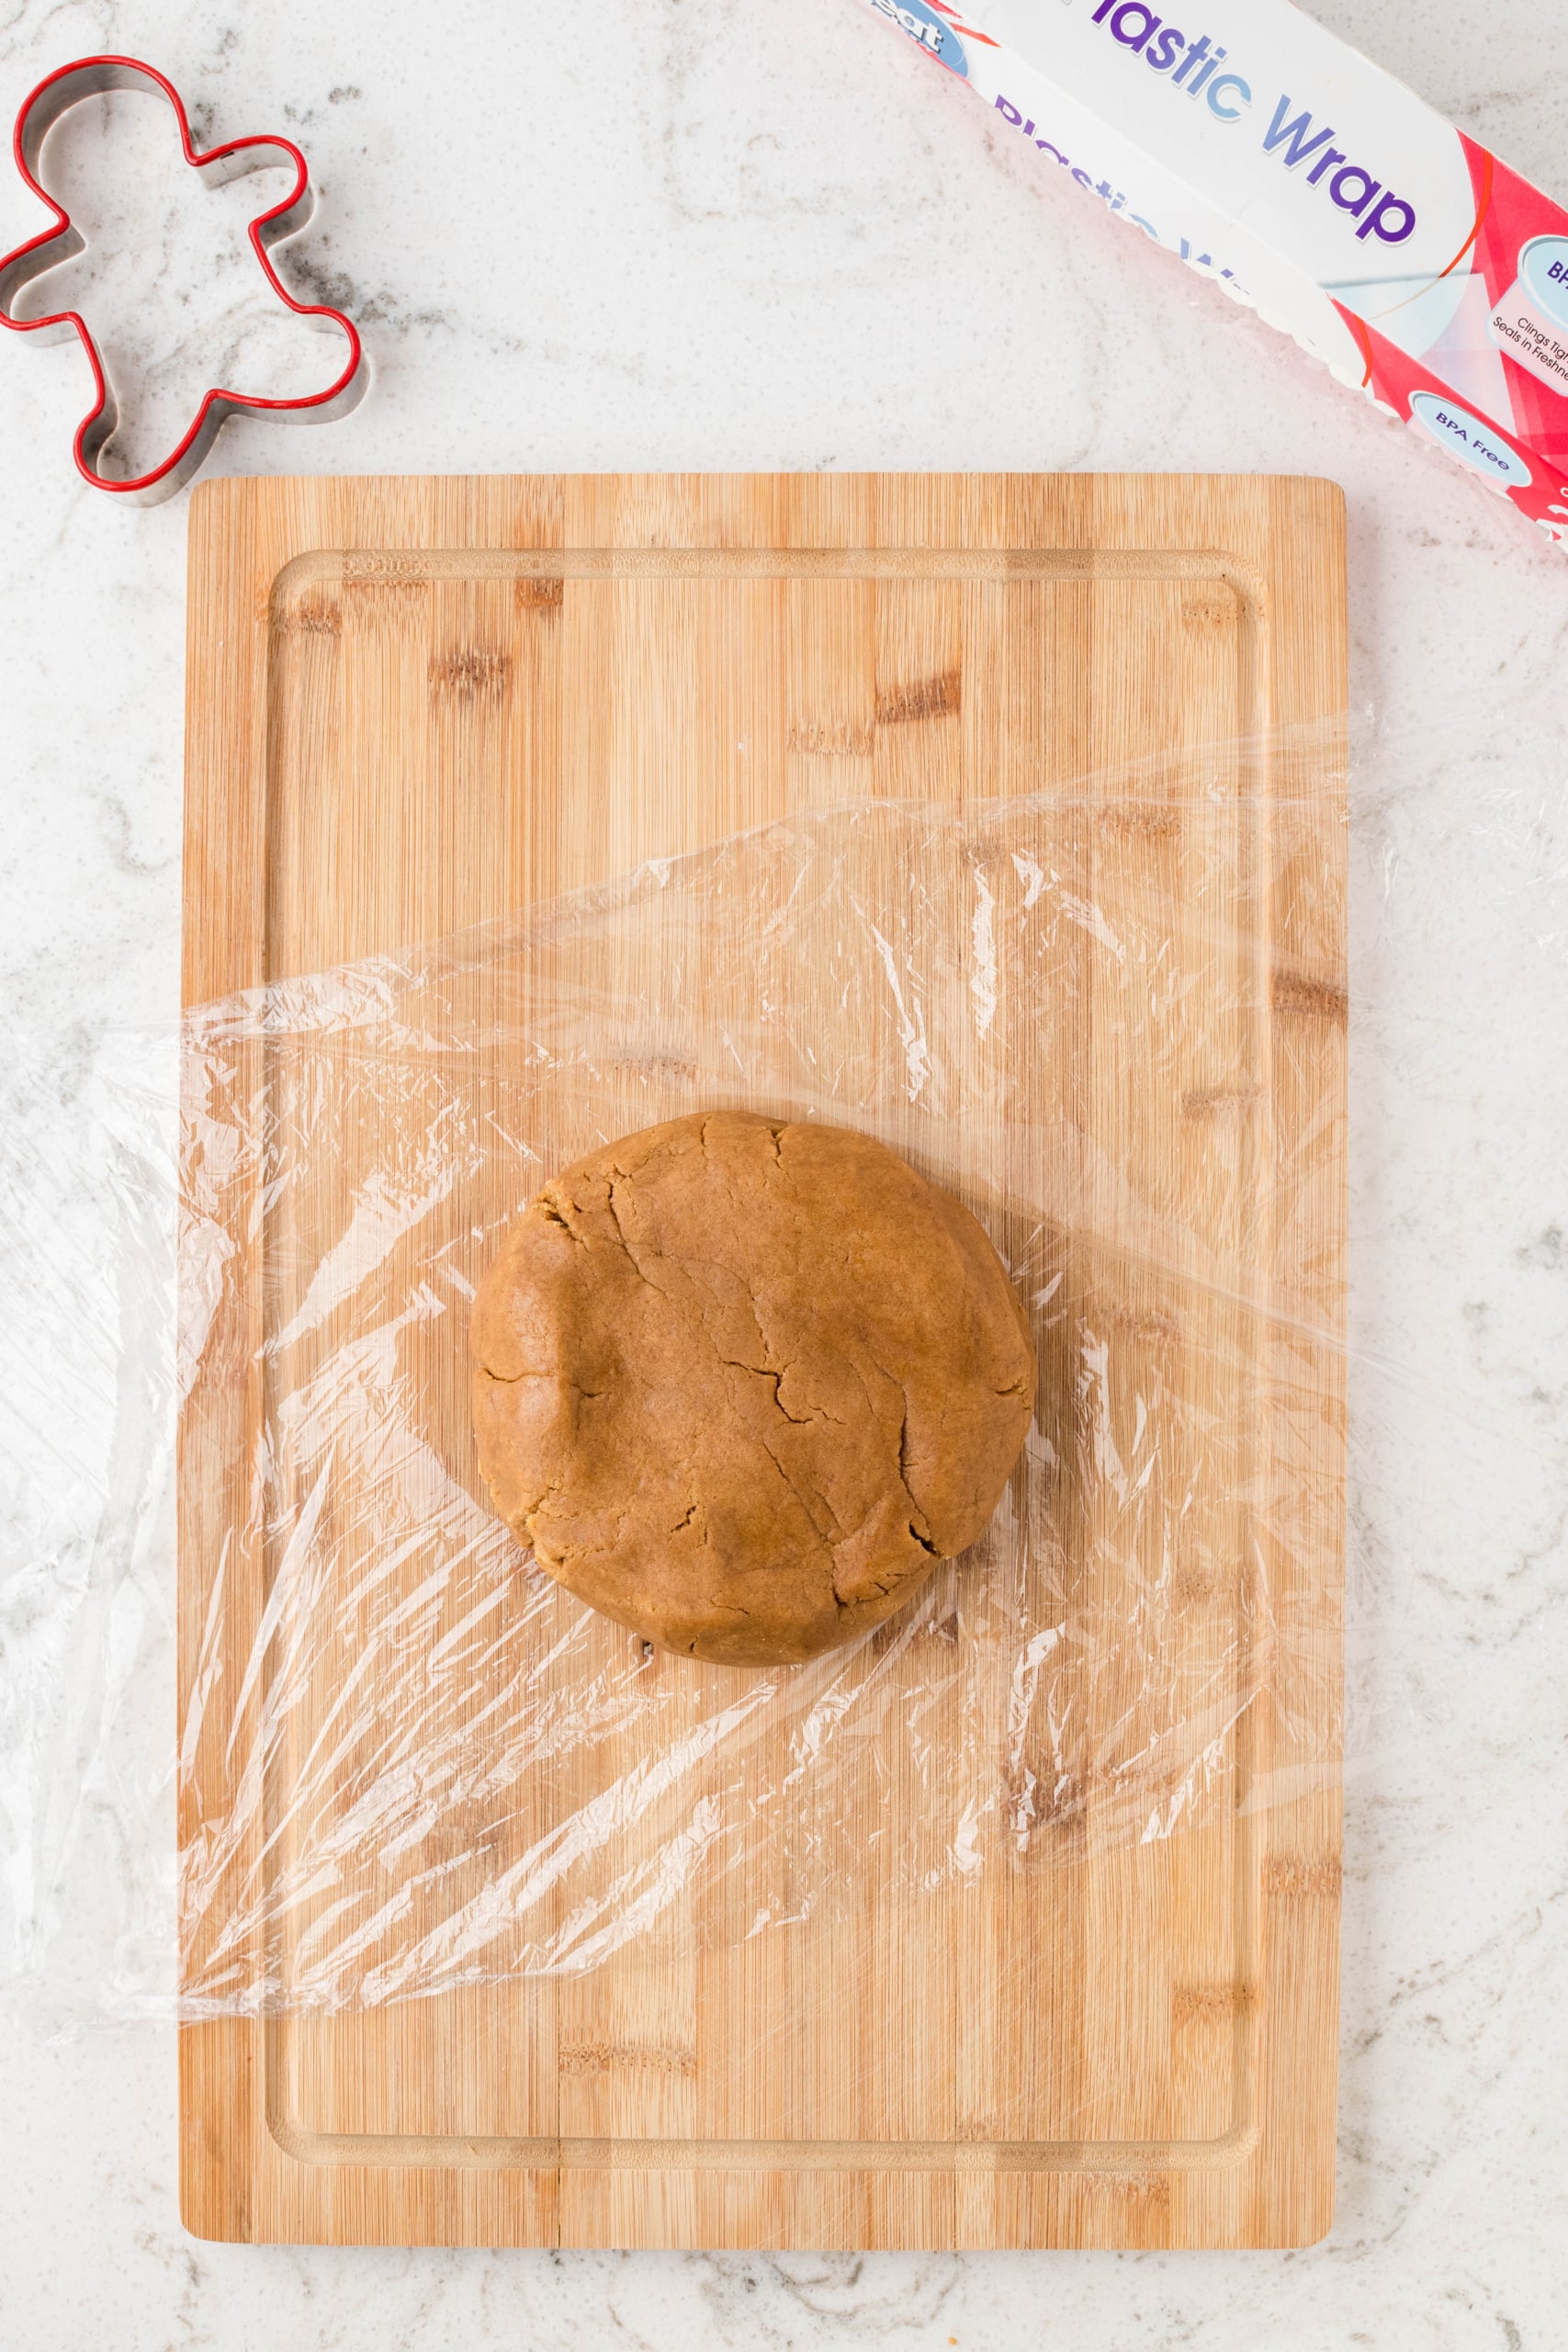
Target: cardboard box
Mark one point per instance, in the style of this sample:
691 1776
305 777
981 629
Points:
1313 187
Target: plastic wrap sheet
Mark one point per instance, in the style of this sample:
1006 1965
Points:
412 1761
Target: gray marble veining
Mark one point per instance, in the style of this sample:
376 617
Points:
725 233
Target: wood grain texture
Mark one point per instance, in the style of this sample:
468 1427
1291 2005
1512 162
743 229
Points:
415 705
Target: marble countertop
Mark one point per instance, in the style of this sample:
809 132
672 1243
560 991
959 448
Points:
723 233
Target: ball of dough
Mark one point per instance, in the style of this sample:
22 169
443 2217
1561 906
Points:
742 1384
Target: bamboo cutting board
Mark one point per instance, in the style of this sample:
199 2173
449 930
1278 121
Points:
417 704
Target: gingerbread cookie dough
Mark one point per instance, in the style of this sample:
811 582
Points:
741 1384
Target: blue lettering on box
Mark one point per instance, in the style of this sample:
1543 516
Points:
1472 442
1543 267
924 26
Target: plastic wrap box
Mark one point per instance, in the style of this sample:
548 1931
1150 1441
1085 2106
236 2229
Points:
1315 188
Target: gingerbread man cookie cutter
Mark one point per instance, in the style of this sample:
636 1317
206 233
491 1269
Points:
90 77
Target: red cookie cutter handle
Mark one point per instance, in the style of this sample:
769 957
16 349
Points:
89 77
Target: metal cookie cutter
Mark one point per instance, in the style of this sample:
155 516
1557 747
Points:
89 77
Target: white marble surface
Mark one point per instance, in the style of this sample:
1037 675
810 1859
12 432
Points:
721 233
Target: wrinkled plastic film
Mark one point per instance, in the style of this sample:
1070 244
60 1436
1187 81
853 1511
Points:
453 1770
1110 1019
